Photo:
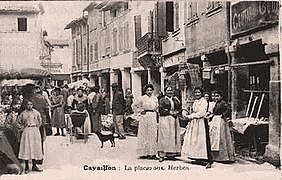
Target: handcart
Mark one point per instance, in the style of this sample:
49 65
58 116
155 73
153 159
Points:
78 119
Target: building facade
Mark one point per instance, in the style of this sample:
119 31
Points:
20 35
61 57
104 44
206 38
255 67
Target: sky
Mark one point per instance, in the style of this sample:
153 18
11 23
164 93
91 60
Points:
58 14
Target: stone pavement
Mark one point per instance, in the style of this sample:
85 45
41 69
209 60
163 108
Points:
79 161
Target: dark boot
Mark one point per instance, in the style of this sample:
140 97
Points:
34 167
62 130
58 132
26 168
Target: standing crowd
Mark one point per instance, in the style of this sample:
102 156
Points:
28 114
207 135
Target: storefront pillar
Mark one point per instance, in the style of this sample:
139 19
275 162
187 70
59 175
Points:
149 75
125 74
163 76
234 83
272 151
136 84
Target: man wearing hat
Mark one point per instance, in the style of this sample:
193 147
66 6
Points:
118 107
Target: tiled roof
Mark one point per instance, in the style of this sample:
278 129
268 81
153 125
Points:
75 23
21 7
59 42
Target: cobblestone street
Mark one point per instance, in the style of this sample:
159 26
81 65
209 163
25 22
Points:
63 160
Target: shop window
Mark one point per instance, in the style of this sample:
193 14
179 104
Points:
259 77
22 24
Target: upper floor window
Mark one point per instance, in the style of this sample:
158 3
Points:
125 6
114 12
192 14
96 51
22 24
115 40
126 36
91 53
176 15
213 7
169 16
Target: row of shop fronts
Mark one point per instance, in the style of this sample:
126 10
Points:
217 45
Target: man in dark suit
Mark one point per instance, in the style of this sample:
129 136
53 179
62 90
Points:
97 109
118 107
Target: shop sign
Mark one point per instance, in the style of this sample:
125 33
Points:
248 15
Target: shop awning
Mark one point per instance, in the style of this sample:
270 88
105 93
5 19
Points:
25 73
252 63
18 82
79 83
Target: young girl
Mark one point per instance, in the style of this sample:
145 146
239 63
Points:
30 146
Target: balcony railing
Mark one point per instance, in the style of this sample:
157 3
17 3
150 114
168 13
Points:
149 44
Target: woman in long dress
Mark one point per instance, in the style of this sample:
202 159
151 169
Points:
196 145
169 144
221 141
148 126
58 116
30 146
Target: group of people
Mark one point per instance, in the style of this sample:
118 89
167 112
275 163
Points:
28 115
32 111
23 116
207 137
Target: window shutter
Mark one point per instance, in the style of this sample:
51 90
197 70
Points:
96 51
161 19
115 40
137 23
126 35
176 17
120 38
169 16
91 53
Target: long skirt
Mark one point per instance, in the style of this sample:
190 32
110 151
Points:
169 136
30 147
147 135
87 125
221 140
7 150
195 140
96 122
58 118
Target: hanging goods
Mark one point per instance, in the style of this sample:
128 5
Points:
249 104
260 105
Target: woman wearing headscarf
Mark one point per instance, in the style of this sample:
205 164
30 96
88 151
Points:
148 126
58 116
169 144
196 145
221 141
